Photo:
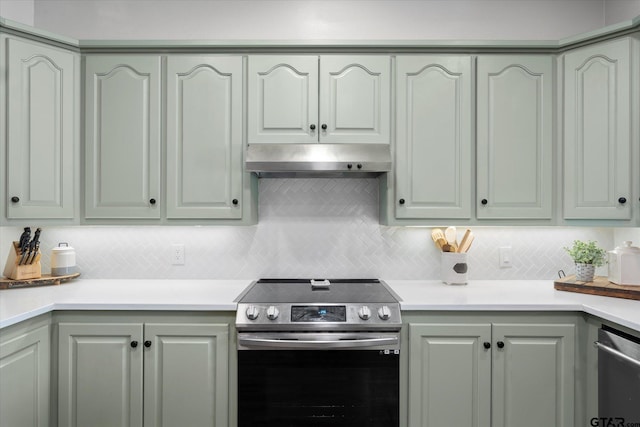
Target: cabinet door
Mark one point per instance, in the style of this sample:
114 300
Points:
283 99
24 379
355 100
515 136
597 123
122 136
100 375
450 375
433 146
204 137
186 377
533 380
41 93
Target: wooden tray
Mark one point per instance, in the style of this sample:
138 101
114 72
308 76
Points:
45 280
600 286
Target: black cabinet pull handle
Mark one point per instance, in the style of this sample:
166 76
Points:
487 345
622 200
484 201
500 344
152 201
324 126
349 166
134 344
15 199
401 201
312 127
235 201
359 166
147 344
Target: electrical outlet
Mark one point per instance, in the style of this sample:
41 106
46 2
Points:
177 254
505 257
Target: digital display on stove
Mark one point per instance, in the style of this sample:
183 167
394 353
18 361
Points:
318 313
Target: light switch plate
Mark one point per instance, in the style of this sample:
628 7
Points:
505 257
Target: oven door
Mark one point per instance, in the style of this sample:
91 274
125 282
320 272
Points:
326 379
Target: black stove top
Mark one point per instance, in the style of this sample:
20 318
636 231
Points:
324 291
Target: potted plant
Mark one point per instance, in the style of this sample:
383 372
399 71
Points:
587 256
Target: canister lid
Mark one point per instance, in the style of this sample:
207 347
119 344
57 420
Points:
61 248
626 248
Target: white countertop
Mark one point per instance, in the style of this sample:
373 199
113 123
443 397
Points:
17 305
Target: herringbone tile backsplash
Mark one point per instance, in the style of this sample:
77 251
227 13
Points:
307 228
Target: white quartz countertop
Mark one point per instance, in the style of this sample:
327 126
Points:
17 305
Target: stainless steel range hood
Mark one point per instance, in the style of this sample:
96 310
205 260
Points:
318 160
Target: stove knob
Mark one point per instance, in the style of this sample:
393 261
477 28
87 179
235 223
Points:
364 312
384 313
272 313
252 312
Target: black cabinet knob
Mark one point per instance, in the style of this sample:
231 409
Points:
349 166
500 344
401 201
152 201
134 344
484 201
622 200
15 199
359 166
324 126
147 344
312 127
235 201
487 345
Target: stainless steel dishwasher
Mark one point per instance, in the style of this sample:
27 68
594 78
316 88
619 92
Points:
618 378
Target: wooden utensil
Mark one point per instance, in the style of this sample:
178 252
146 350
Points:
451 234
466 241
438 238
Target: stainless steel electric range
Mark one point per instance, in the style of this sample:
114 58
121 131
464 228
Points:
318 353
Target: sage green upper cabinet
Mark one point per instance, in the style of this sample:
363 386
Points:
433 145
204 137
40 130
329 99
515 136
122 136
597 126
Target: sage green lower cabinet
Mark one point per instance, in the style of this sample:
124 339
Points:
104 368
449 375
483 374
25 377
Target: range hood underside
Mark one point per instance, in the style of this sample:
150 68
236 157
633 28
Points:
318 160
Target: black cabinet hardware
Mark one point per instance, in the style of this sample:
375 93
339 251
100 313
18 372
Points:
401 201
484 201
487 345
500 344
15 199
152 201
134 344
235 201
147 344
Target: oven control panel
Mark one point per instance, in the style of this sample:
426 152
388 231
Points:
312 316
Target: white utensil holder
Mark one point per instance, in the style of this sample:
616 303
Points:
453 268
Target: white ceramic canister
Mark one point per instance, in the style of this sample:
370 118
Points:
453 268
624 265
63 260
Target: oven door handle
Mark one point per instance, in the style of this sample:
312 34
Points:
253 342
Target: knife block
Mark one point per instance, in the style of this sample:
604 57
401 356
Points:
14 271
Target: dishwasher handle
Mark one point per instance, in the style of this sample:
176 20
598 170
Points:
617 353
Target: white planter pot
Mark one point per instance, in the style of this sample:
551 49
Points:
585 272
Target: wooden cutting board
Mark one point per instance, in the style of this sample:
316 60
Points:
45 280
600 286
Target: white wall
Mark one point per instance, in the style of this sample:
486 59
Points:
18 10
620 10
319 19
308 228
